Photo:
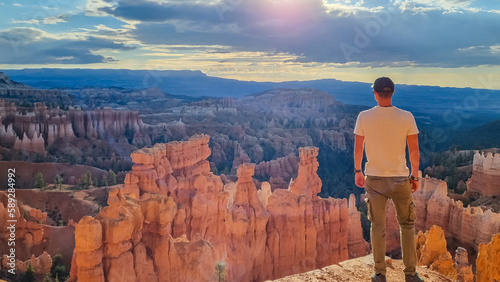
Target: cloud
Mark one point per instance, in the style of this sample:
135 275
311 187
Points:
47 20
370 32
34 46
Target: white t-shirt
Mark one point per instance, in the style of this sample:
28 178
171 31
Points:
385 130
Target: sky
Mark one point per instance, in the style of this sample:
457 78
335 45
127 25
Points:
424 42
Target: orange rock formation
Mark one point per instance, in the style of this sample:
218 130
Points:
41 264
28 233
431 252
174 218
358 247
488 261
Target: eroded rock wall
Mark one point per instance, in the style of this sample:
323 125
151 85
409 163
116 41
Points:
174 218
469 225
485 174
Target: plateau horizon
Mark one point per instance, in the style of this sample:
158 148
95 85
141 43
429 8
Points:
482 80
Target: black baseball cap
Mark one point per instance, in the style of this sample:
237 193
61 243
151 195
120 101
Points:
382 83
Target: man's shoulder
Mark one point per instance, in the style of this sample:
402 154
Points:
404 112
367 112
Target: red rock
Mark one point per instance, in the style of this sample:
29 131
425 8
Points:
88 235
246 224
307 182
469 225
144 265
357 246
182 231
120 269
485 175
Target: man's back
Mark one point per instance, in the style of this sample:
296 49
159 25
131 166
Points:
385 130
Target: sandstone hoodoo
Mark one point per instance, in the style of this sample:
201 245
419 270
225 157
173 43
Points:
174 218
485 174
488 261
35 130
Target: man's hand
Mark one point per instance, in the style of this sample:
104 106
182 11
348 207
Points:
414 185
359 179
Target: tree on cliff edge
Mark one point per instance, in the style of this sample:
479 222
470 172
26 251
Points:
58 180
39 181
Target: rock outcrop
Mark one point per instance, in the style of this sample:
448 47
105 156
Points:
488 261
485 174
174 218
284 168
469 225
16 91
360 269
28 233
41 264
431 252
34 131
464 269
357 246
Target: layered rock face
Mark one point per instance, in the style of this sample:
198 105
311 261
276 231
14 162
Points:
33 131
357 246
174 218
28 233
485 174
469 225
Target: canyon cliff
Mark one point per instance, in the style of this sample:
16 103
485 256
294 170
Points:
33 131
174 218
485 174
471 226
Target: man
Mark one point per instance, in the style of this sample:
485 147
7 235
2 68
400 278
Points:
383 132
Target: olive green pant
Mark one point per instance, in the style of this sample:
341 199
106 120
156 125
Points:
378 190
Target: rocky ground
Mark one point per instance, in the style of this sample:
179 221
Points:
360 269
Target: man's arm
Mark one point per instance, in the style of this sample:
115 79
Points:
359 143
414 158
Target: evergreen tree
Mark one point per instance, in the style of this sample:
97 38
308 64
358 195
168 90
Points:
47 277
103 182
39 181
111 178
29 276
58 180
86 180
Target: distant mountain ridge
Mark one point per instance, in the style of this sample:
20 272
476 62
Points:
13 91
437 105
6 83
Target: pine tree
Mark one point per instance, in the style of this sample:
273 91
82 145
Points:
111 178
103 182
39 181
86 180
58 180
29 276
